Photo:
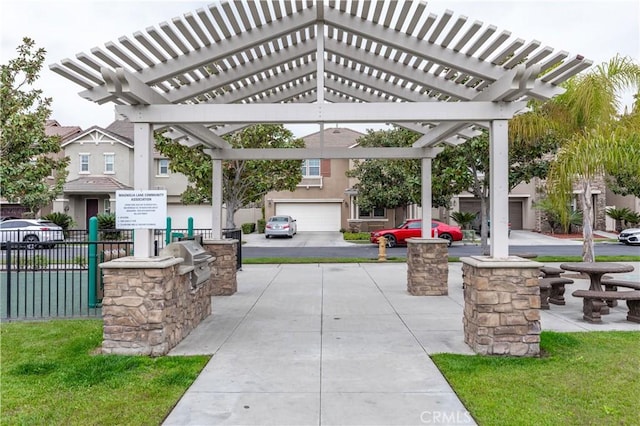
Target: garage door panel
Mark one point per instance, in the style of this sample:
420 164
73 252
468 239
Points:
312 216
515 210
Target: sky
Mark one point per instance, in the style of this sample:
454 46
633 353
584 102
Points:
597 30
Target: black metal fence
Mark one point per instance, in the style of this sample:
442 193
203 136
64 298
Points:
53 280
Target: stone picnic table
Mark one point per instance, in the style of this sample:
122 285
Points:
595 271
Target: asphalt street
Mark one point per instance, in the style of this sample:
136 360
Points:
371 251
331 244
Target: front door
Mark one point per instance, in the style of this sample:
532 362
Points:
91 209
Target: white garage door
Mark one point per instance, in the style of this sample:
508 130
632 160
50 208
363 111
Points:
312 216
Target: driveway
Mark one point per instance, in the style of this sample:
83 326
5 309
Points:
301 239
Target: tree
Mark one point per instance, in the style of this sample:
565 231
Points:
27 154
395 183
599 142
583 159
244 181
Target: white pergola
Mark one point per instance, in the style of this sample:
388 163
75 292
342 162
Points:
232 64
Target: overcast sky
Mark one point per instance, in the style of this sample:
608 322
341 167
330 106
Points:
597 30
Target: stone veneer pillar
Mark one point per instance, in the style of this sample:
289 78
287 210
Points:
224 267
501 305
149 305
427 267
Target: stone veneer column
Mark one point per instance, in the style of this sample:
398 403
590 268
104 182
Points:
149 305
501 305
428 267
224 267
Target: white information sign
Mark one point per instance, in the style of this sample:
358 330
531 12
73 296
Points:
141 209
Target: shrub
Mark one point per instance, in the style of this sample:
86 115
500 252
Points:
63 220
357 236
464 219
107 226
248 228
261 225
619 215
632 219
35 262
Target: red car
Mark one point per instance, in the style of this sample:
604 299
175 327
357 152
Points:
412 228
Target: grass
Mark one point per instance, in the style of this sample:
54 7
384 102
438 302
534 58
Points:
49 376
582 379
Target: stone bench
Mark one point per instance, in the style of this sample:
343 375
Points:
551 272
611 284
553 290
593 302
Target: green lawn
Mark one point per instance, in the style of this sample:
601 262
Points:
49 376
581 379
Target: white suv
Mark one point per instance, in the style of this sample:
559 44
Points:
33 231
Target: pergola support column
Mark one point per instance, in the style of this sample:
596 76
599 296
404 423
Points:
143 159
499 184
216 197
426 198
427 257
501 305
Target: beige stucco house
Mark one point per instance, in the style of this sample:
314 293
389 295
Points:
102 162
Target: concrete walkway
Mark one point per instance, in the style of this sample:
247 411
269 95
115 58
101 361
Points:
338 344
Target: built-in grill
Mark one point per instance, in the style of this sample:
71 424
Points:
194 255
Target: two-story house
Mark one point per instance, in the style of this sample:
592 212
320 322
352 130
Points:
324 200
102 162
319 203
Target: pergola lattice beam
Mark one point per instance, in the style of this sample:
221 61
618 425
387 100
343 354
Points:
124 84
514 82
330 153
322 113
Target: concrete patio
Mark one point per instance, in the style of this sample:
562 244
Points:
339 344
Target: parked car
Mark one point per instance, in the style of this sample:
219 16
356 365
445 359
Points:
630 236
412 228
477 226
36 232
283 226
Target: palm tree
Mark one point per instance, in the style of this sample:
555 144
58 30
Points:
595 140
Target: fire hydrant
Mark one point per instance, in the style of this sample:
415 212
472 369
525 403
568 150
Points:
382 249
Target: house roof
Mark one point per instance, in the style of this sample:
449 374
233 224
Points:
94 185
222 63
336 137
123 128
53 128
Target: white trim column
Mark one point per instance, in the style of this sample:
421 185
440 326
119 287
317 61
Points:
143 160
426 198
499 187
216 200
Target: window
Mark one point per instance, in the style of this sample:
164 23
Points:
163 167
84 163
109 163
311 167
377 212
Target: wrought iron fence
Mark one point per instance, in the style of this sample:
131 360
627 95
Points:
59 280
